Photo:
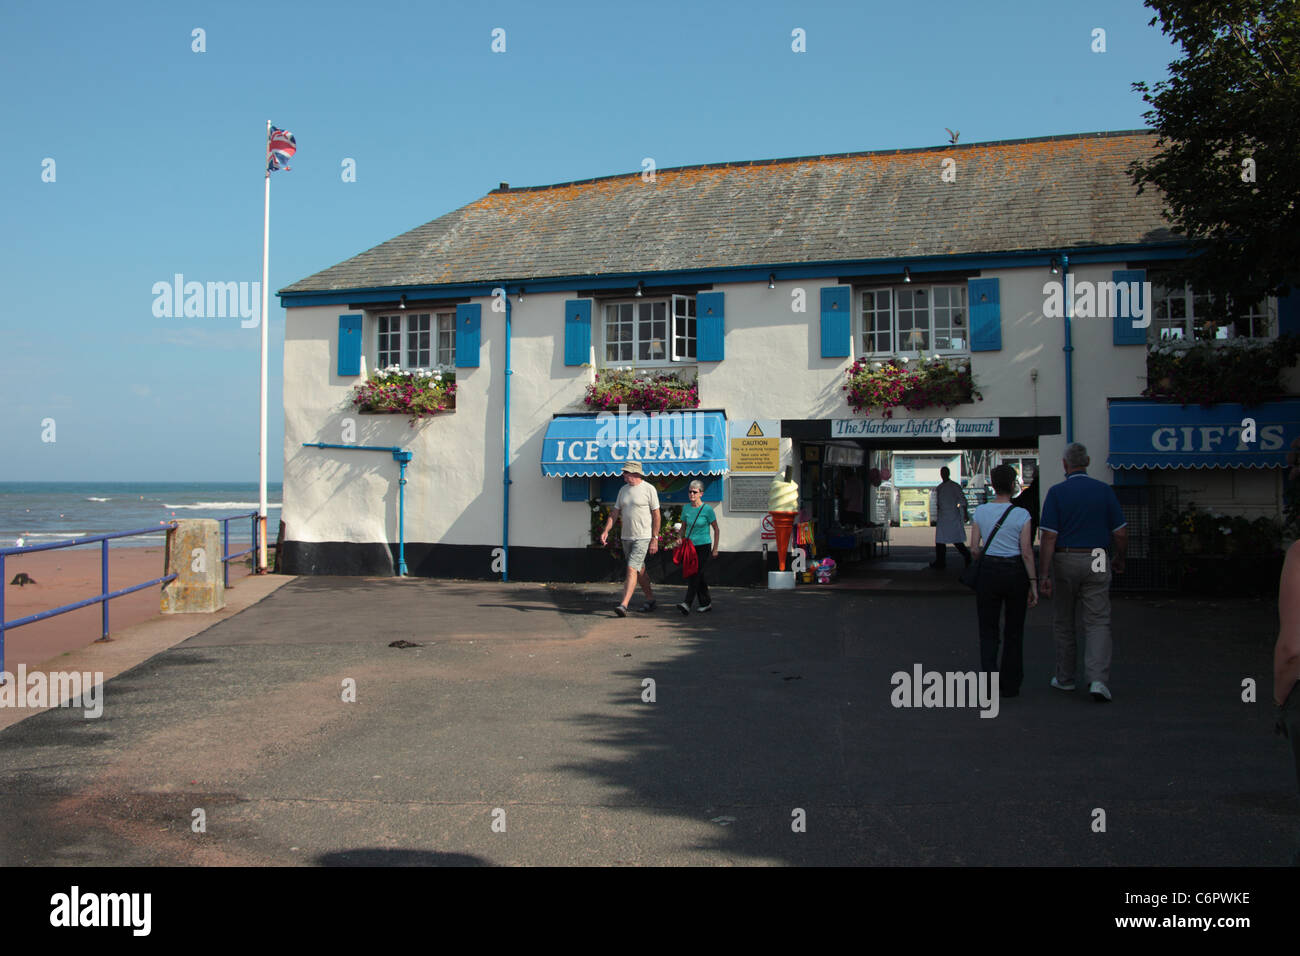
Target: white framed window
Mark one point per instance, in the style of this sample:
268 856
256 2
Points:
877 321
683 344
915 318
416 340
446 338
649 332
1182 314
390 340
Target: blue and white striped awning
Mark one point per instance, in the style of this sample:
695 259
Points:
665 443
1146 434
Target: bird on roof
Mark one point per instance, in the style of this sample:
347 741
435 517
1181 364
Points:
22 578
952 137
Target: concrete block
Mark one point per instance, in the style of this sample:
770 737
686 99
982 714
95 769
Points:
194 553
780 580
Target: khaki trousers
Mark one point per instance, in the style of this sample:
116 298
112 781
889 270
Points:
1078 587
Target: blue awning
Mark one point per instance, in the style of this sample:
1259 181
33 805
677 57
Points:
1164 435
665 443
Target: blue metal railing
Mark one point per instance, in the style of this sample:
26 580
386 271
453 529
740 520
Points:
102 598
226 556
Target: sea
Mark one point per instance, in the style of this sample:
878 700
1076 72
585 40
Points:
42 512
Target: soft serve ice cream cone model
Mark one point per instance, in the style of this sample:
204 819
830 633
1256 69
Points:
783 506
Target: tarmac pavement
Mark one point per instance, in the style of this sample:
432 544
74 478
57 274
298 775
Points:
523 707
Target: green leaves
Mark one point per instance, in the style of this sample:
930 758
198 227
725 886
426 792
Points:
1229 130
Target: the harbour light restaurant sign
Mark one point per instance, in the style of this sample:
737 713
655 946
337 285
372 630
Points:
946 429
1161 435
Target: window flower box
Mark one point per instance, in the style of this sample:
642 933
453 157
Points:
913 384
418 393
1207 373
642 391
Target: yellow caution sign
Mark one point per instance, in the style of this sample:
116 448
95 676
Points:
756 447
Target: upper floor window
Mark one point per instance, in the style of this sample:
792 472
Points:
914 318
650 331
1183 314
417 340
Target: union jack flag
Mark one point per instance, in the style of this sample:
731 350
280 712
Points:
280 146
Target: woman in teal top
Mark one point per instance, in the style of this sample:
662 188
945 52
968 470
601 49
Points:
700 524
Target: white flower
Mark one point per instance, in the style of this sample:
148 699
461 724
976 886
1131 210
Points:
903 359
961 368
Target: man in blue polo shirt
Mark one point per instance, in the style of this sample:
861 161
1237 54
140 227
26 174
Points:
1081 515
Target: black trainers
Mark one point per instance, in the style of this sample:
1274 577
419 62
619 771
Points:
707 607
647 606
621 611
684 608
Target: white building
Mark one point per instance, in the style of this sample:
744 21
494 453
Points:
762 281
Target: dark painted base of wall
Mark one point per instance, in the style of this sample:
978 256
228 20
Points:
481 562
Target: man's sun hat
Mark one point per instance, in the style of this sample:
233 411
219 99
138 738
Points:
633 468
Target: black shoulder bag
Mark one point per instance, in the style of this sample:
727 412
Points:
970 575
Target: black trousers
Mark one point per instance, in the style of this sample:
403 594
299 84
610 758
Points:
1003 583
696 586
941 554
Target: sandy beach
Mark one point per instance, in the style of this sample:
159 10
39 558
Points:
67 575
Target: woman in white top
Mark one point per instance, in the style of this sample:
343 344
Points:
1006 577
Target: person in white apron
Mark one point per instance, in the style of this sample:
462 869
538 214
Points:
948 505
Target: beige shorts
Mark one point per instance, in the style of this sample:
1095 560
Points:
636 550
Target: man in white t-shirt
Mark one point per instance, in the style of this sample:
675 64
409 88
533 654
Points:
638 506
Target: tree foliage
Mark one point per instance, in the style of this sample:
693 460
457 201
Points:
1229 113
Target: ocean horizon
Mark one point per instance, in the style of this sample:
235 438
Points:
42 512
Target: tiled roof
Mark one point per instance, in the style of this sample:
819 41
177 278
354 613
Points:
1050 193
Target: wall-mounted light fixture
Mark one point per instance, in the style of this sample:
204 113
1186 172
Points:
771 280
907 274
521 293
640 289
402 304
1056 265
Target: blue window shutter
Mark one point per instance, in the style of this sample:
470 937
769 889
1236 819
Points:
1288 312
577 335
983 296
349 345
710 326
1127 310
575 489
835 321
468 319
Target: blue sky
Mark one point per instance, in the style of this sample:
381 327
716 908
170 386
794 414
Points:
158 155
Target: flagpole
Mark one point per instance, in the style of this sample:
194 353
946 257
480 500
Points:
261 448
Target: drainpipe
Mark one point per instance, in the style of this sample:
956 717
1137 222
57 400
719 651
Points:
401 456
1069 351
505 478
